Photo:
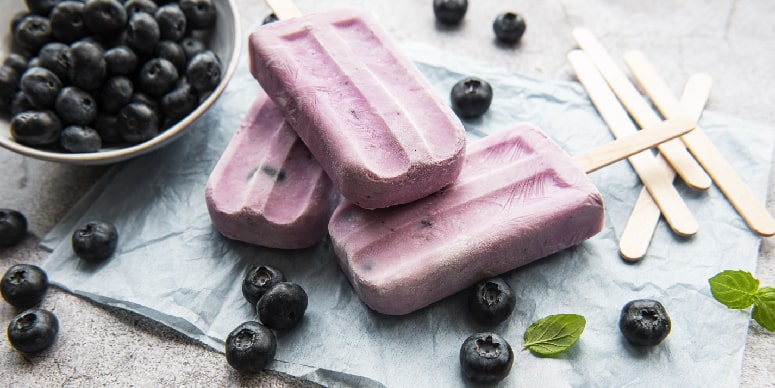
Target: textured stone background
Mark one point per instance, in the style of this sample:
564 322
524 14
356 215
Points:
730 40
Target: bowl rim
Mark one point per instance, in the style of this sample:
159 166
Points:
167 136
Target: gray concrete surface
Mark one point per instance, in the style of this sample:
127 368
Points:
730 40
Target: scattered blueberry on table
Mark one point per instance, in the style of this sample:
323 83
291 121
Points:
258 280
282 306
492 301
33 331
450 12
13 227
644 322
250 347
95 241
24 285
509 27
486 358
471 97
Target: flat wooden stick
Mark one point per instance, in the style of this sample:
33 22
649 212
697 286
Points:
283 9
738 193
639 230
656 174
674 151
642 140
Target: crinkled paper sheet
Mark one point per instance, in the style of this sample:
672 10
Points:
172 266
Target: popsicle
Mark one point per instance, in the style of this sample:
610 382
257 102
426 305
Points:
375 124
267 189
518 198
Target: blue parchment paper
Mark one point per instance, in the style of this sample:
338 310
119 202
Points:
173 266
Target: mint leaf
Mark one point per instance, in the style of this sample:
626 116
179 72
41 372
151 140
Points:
735 289
554 334
764 308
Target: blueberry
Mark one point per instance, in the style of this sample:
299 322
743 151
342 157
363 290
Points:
55 56
33 331
9 83
137 123
142 33
116 93
24 285
450 11
76 106
644 322
157 77
67 24
172 22
258 280
13 227
41 86
509 27
16 61
471 97
120 60
20 104
33 32
108 128
40 7
204 71
104 17
250 347
192 46
36 128
271 18
282 306
78 139
486 358
200 14
95 241
173 52
492 301
178 103
88 67
134 6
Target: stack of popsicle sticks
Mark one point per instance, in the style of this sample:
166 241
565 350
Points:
604 82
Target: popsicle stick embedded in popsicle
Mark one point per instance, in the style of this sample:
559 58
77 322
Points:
283 9
636 236
674 151
657 176
642 140
738 193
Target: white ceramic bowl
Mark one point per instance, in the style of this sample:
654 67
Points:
225 40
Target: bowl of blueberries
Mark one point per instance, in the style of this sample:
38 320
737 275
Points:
95 82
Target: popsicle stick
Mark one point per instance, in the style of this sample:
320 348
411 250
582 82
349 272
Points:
656 174
283 9
639 230
738 193
674 151
642 140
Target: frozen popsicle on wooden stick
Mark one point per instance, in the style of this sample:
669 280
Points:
657 176
674 151
371 119
518 198
738 193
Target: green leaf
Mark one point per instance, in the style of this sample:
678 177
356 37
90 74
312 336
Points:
735 289
554 334
764 308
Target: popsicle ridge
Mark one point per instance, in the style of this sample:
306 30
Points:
518 198
363 109
267 189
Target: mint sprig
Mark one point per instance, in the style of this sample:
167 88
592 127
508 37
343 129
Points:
554 334
740 290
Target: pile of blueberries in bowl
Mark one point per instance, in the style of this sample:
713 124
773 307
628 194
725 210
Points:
100 81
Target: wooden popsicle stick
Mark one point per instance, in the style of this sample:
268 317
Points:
642 140
283 9
656 174
738 193
639 230
674 151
